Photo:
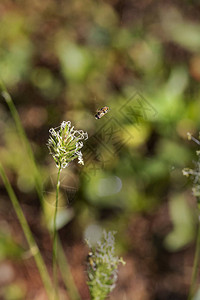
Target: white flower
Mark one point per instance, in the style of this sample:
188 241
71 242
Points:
80 157
64 144
102 266
194 173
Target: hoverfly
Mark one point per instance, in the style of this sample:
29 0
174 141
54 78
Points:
101 112
91 262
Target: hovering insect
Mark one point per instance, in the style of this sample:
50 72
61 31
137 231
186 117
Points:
91 262
101 112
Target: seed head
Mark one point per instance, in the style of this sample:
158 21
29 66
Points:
195 172
64 144
103 266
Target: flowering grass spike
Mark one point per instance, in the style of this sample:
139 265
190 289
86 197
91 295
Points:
194 173
102 267
65 143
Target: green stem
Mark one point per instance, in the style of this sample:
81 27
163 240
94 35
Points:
27 232
66 274
195 264
22 134
68 280
55 242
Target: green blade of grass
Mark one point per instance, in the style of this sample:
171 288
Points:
22 134
66 274
195 264
55 240
29 237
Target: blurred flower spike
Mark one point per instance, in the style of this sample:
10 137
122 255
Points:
102 266
194 173
65 143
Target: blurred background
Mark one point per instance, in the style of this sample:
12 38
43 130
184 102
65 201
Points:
64 60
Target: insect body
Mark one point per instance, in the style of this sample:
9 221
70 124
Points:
101 112
91 262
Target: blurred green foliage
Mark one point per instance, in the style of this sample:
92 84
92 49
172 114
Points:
9 248
14 291
63 60
71 60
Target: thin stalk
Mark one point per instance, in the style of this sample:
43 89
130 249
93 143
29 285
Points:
55 242
66 274
29 237
68 279
22 134
195 264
